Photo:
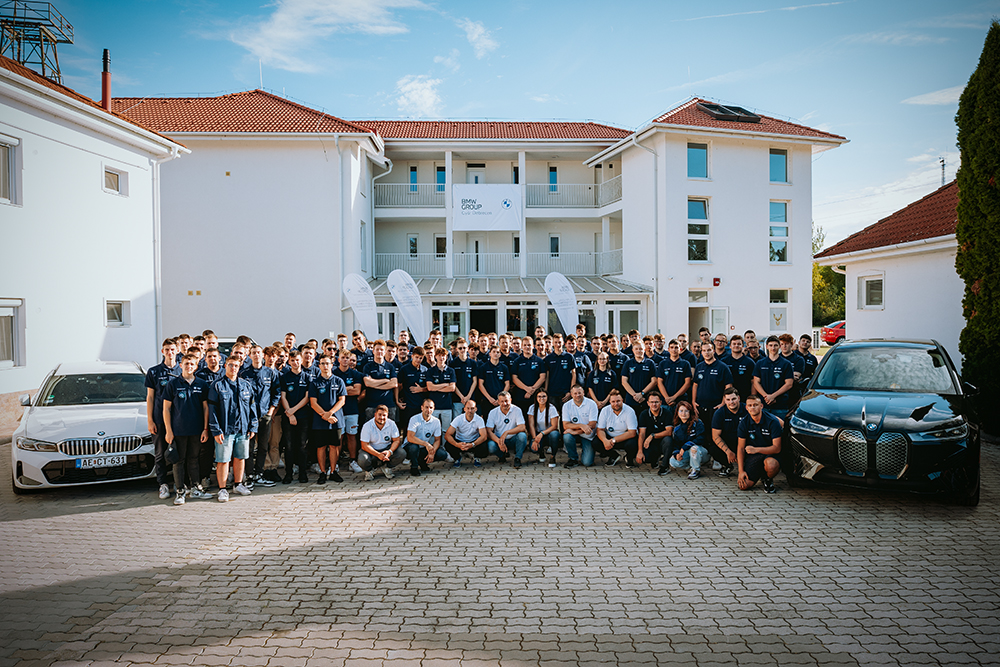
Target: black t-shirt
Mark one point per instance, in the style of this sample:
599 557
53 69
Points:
728 422
658 423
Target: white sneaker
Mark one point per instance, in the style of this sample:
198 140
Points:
369 476
315 468
552 465
406 462
242 489
355 467
198 493
716 465
450 459
179 499
281 464
223 496
164 491
388 473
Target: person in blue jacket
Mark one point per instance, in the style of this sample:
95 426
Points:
267 395
232 421
689 441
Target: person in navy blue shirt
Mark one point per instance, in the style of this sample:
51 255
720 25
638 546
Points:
295 422
231 421
354 382
616 359
688 441
773 377
441 383
711 378
157 378
213 370
381 382
740 365
267 395
656 429
674 376
412 385
759 443
600 383
638 378
185 420
686 354
583 366
560 369
527 376
725 421
809 360
466 377
327 396
494 378
360 350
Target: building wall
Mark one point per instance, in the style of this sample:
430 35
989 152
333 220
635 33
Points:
69 245
922 298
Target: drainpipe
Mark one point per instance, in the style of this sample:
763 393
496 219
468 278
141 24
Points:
656 232
842 270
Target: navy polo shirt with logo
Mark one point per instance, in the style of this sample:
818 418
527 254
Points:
527 370
810 362
560 369
728 422
602 382
759 434
466 373
410 377
638 374
674 374
773 375
326 391
711 380
350 377
187 405
157 378
383 371
443 400
294 386
742 370
493 376
583 365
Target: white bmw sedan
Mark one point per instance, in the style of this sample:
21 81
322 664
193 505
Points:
86 425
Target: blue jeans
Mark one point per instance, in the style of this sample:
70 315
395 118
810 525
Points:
416 453
550 443
518 442
693 458
586 456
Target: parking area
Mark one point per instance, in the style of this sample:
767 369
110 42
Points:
498 566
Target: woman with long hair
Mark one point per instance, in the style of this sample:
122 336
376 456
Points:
689 439
543 427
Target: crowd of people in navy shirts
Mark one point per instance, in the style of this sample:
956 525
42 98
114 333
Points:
238 421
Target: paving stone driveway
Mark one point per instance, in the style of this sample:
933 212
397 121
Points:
500 567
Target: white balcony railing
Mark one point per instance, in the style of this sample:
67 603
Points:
501 264
563 195
409 195
609 191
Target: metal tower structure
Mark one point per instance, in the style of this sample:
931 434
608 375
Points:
29 33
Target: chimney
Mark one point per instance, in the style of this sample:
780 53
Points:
106 82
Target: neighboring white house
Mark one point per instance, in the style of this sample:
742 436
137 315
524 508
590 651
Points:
900 273
701 218
78 224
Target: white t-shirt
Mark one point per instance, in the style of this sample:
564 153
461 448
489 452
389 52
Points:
584 414
380 439
615 425
500 422
425 430
542 420
466 431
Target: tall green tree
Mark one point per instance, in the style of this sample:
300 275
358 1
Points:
828 287
978 258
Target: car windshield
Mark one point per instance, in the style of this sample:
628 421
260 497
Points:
886 369
93 389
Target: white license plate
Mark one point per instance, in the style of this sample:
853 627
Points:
101 462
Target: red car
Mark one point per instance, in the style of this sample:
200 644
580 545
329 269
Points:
834 332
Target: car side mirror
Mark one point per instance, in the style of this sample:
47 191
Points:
969 389
25 399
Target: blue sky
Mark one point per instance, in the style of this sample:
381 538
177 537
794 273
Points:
885 74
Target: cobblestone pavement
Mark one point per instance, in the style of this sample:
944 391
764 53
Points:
500 567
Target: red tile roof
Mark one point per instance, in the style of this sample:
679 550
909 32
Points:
489 129
933 216
35 77
251 111
689 114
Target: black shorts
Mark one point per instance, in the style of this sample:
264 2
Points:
753 465
327 437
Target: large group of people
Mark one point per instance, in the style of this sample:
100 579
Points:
237 421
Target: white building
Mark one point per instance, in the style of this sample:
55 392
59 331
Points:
703 217
900 273
78 222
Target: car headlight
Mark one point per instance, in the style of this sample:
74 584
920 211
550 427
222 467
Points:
952 432
32 445
801 424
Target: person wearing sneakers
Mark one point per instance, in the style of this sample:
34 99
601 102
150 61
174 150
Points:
423 439
579 426
380 444
617 429
759 445
467 434
354 382
689 438
157 379
506 429
267 394
725 423
656 429
543 428
232 421
185 420
327 395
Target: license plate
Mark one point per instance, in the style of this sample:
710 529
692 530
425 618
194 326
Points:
101 462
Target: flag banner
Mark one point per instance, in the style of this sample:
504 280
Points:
407 297
563 300
359 294
486 208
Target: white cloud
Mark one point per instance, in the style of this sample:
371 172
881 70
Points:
285 38
761 11
896 39
450 61
945 96
418 97
479 37
544 97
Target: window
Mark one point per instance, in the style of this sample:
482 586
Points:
517 246
554 245
778 311
778 232
870 292
697 230
6 173
778 296
440 246
11 326
697 160
413 179
515 176
411 245
779 165
698 296
115 181
441 178
553 180
116 314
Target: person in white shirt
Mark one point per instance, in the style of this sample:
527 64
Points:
506 429
467 434
423 439
380 444
579 421
617 429
543 427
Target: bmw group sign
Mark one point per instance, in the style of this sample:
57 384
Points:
487 208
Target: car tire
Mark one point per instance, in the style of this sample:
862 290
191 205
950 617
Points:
18 491
970 498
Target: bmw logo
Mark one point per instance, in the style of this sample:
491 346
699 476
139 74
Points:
506 203
100 433
872 427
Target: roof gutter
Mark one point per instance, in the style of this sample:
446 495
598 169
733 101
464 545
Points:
899 249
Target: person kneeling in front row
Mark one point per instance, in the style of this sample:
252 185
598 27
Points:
689 436
617 429
505 428
423 439
759 444
380 445
467 435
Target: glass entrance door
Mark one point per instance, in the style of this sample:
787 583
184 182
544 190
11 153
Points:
624 318
451 322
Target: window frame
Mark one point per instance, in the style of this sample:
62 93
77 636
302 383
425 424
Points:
708 166
515 174
122 175
770 154
558 253
126 314
863 281
8 178
516 245
17 313
441 176
412 245
413 189
707 238
553 179
773 238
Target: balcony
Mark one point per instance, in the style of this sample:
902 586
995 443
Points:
539 195
500 264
